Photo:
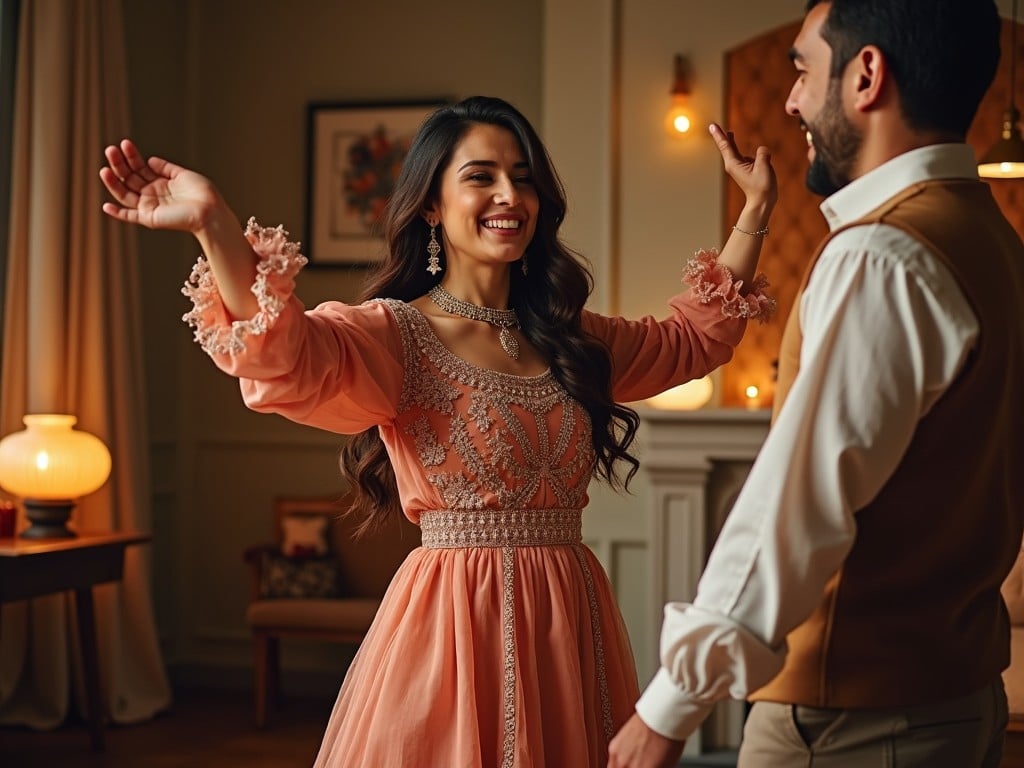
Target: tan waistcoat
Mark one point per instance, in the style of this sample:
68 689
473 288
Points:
914 614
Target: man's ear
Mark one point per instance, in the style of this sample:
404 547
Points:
870 74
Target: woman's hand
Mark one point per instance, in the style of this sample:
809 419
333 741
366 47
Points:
156 193
754 175
161 195
637 746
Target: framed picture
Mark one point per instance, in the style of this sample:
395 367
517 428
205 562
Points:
355 151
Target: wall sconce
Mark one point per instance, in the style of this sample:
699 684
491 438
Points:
50 466
685 397
679 120
1005 160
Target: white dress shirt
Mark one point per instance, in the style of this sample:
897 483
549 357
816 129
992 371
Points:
885 330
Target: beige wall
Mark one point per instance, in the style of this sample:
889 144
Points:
222 85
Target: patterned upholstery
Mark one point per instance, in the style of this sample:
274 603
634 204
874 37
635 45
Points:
332 598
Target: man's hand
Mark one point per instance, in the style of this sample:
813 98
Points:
637 746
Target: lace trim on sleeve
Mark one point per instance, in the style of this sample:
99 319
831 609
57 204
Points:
279 262
709 280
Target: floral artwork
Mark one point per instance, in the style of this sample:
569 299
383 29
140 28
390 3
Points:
356 152
368 174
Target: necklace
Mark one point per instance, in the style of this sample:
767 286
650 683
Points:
503 319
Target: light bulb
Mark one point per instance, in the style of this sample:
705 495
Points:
753 394
679 118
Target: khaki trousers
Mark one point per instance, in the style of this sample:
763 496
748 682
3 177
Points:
966 732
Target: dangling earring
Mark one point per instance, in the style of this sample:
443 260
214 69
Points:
433 248
523 266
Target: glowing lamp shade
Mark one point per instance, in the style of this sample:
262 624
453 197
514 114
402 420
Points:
1005 160
49 466
686 397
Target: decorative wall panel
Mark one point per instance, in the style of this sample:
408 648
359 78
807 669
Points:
758 77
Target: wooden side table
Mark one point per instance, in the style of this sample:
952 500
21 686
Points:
33 568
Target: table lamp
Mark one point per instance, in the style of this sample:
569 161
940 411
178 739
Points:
50 466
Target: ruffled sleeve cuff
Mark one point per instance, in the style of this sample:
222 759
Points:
279 262
710 281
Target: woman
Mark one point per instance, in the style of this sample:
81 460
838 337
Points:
486 398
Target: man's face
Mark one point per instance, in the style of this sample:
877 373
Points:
817 99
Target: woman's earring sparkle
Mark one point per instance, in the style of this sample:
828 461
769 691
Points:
433 248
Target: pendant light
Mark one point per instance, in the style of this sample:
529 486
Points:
1005 160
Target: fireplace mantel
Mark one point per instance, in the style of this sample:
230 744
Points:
695 462
694 437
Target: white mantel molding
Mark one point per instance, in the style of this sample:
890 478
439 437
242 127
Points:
690 438
680 450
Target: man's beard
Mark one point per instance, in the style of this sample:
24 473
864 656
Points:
834 156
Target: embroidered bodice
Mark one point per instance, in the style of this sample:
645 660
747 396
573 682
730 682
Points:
487 439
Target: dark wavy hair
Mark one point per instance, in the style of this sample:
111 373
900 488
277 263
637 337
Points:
548 301
943 53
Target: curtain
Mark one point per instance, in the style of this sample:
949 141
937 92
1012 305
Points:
72 320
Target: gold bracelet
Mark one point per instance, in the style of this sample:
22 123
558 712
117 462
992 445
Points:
763 231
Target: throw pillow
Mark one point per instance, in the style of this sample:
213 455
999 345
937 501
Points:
282 576
304 535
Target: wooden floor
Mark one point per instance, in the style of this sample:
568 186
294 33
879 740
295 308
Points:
214 729
1013 749
203 728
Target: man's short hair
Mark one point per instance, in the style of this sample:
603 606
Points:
943 54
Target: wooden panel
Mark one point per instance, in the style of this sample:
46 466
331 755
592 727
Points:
758 79
759 76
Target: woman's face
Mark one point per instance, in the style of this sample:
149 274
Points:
488 204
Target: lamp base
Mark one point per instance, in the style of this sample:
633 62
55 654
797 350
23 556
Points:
48 519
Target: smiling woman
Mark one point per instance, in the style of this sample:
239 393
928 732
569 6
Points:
484 399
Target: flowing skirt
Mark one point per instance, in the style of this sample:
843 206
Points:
487 657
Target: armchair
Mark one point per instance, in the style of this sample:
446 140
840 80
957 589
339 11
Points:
316 582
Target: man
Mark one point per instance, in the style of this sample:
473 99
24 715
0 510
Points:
885 508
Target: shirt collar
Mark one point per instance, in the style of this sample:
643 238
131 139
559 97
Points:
935 161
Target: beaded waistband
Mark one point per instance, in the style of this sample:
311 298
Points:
450 528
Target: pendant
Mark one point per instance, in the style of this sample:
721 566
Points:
508 343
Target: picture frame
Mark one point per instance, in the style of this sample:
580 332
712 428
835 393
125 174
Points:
354 153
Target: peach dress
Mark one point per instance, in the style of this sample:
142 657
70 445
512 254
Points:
499 642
